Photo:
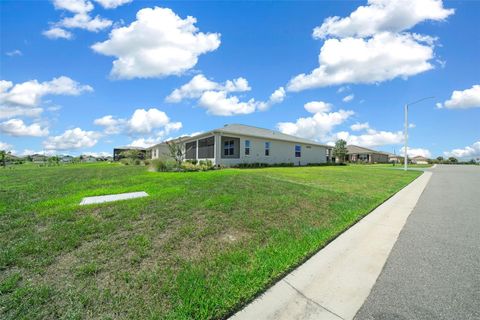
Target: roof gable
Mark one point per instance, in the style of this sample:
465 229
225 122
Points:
356 149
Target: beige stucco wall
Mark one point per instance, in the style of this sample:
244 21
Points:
160 151
379 158
280 152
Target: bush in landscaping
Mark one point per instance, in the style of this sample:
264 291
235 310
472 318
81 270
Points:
163 165
252 165
126 161
186 166
189 167
206 165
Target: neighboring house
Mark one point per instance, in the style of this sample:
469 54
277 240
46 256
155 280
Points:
395 158
88 159
66 159
235 144
358 154
117 152
420 160
12 159
39 158
107 158
161 150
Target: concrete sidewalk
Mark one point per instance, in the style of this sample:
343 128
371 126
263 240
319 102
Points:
335 282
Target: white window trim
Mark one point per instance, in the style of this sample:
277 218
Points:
249 148
269 148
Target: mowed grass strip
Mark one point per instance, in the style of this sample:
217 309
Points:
200 246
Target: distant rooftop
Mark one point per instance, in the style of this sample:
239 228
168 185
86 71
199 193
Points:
356 149
130 148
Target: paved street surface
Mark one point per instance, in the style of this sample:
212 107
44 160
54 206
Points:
433 271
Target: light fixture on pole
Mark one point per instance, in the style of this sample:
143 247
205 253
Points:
405 149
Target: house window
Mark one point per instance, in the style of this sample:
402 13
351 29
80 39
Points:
229 147
267 148
298 151
247 147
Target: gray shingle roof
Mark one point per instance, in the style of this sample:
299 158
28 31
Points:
130 148
241 129
356 149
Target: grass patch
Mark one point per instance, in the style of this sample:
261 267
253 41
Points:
200 246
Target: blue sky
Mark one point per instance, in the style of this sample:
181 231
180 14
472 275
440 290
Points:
61 93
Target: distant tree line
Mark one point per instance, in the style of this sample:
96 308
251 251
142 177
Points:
451 160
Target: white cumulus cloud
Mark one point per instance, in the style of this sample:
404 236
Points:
24 99
318 126
81 19
159 43
371 138
415 152
18 128
372 45
14 53
383 57
97 154
5 146
72 139
218 103
278 95
84 21
199 84
383 15
348 98
216 97
111 125
468 98
151 121
145 121
112 4
317 106
57 33
360 126
75 6
472 151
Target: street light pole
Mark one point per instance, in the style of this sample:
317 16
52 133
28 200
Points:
405 166
405 149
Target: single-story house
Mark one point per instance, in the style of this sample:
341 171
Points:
395 158
66 159
361 154
117 152
39 158
107 158
420 160
236 144
88 158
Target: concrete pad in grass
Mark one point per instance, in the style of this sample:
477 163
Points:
113 197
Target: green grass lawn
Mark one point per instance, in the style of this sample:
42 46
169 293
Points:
202 245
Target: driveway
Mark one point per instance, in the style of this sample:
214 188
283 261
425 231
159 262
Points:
433 271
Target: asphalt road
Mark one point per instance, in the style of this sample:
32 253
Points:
433 271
